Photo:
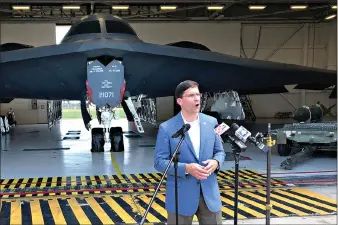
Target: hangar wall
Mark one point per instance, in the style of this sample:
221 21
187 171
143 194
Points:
36 35
313 45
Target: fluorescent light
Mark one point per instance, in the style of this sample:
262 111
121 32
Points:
298 7
168 7
71 7
330 17
21 7
334 7
119 7
215 7
257 7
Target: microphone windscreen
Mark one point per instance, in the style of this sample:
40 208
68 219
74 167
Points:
221 128
234 127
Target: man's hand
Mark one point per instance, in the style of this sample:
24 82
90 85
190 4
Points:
211 165
197 171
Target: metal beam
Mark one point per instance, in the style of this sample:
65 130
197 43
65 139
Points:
118 2
170 2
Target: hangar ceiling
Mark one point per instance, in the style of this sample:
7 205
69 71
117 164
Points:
64 12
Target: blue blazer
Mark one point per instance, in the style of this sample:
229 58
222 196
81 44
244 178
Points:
188 186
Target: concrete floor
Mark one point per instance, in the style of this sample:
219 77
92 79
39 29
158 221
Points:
78 160
20 160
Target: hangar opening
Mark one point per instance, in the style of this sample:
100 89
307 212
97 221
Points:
275 65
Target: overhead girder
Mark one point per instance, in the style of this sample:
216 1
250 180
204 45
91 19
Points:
51 10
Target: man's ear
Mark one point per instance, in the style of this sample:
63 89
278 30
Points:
179 101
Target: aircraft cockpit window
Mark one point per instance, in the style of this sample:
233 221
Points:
118 27
86 28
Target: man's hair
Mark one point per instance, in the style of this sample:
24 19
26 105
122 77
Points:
183 86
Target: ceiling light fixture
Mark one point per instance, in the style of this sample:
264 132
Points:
215 7
168 7
71 7
298 7
257 7
334 7
21 7
120 7
330 17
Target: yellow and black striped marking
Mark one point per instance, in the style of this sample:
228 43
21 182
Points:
71 181
130 208
11 184
122 184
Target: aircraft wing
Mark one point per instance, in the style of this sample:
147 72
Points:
214 71
60 71
50 72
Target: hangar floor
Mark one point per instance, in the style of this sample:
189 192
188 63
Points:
54 178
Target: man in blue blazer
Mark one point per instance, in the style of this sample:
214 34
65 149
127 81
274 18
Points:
200 157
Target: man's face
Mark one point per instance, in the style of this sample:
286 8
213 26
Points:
190 101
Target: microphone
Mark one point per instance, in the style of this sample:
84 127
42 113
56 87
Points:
244 135
220 129
181 131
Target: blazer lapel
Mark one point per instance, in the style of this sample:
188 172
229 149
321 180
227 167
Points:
202 133
187 140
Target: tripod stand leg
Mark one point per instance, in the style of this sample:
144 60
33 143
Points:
175 159
176 189
236 155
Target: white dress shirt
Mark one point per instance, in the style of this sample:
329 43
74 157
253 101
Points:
194 133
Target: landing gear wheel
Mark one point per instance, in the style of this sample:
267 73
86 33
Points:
97 140
4 125
283 149
116 139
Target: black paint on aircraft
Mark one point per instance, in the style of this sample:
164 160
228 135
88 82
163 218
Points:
59 72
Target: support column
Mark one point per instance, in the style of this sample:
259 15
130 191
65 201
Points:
332 47
305 60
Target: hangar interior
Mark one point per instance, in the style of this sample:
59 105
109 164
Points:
46 159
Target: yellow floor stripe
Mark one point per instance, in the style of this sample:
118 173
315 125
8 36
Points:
300 205
24 183
15 181
307 200
102 180
16 215
79 213
115 164
274 203
242 207
56 212
155 206
37 217
260 206
82 180
101 214
231 212
94 182
121 212
131 208
141 210
314 195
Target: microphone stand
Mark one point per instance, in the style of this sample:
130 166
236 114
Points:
269 144
174 159
237 147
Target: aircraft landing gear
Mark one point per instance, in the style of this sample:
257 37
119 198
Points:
97 140
116 139
113 135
